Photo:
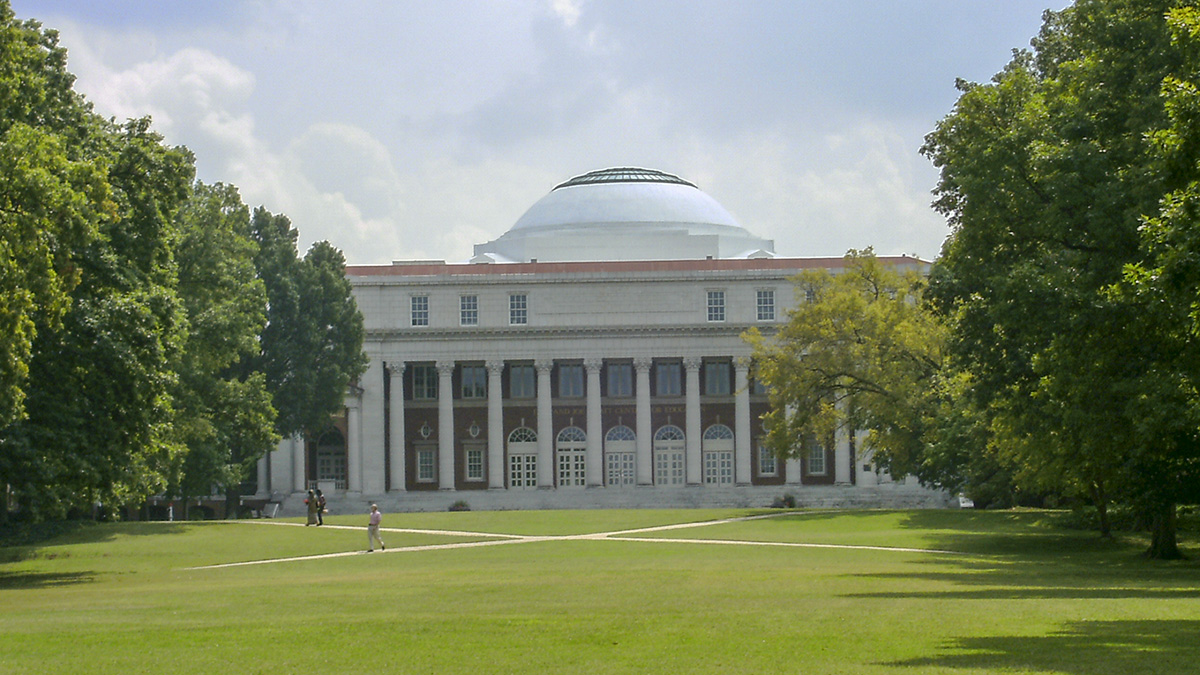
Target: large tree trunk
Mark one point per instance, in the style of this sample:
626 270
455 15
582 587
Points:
1101 500
1163 543
233 501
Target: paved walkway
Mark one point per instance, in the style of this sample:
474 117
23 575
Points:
498 539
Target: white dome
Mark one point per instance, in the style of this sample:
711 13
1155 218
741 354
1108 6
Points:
624 214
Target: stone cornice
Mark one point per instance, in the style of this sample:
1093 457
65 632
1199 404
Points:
526 332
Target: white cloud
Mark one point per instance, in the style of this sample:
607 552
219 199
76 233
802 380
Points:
403 131
567 10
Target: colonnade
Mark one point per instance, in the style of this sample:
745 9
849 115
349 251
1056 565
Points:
496 437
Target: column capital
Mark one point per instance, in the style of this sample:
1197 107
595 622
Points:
593 364
543 365
495 366
445 367
742 362
643 363
395 370
692 362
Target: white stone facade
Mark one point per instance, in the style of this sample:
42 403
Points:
574 383
645 346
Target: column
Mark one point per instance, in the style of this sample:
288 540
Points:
741 416
354 477
445 425
645 435
299 478
372 468
791 467
263 486
794 464
865 456
692 461
841 455
495 446
595 430
396 448
545 430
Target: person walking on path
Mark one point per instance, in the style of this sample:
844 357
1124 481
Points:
320 507
311 502
373 529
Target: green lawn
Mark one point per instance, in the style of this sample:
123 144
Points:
1014 594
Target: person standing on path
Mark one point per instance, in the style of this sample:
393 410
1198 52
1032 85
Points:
320 507
311 503
373 530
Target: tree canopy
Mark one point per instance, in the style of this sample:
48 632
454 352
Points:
134 307
1049 174
858 352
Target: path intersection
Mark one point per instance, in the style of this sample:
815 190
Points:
499 539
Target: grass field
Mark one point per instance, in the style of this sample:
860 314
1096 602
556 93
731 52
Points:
818 592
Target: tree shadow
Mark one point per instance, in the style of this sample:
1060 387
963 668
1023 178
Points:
1029 557
28 580
1087 647
24 542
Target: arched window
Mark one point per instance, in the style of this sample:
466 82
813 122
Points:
572 435
717 450
718 432
669 432
522 458
620 433
331 458
522 435
571 447
669 450
620 457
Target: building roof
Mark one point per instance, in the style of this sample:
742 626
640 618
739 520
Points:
624 214
624 175
785 266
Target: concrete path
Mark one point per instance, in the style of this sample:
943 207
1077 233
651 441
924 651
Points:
500 539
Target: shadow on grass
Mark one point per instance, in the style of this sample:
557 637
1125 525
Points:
967 581
27 580
23 541
1079 647
1026 556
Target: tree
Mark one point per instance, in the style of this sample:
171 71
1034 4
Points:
99 422
1047 175
312 343
223 413
1164 286
51 198
862 352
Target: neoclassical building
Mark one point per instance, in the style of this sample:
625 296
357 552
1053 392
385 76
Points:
590 356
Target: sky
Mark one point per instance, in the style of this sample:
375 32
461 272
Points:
401 130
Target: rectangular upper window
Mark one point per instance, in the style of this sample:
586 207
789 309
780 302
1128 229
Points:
668 379
420 310
716 305
425 382
468 310
816 459
758 387
620 379
570 381
766 304
522 382
426 466
474 382
474 460
518 309
767 463
716 378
